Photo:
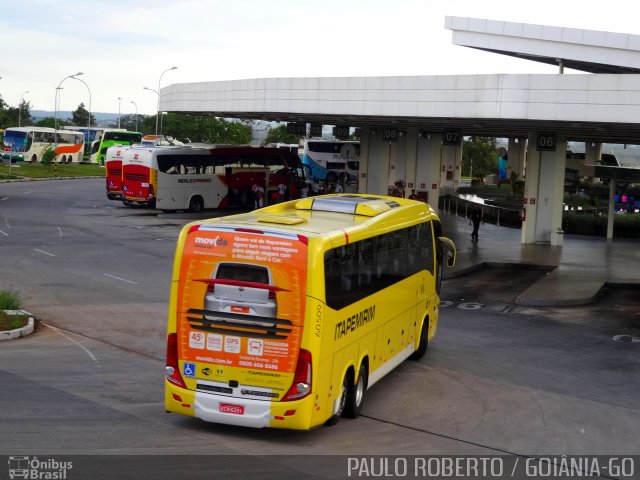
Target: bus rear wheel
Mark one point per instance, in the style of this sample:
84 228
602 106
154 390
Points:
355 397
196 205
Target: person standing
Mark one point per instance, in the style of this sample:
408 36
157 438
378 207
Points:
474 219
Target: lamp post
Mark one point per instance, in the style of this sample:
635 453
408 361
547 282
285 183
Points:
134 104
56 104
19 107
158 92
87 143
119 100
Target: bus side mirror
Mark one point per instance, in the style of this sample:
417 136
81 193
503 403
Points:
448 250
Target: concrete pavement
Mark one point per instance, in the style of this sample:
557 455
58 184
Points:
577 272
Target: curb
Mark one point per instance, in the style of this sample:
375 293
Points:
18 332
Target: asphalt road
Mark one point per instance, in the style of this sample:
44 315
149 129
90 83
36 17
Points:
497 380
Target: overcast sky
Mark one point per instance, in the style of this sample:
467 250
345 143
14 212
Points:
124 45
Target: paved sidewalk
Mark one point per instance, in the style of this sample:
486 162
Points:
578 271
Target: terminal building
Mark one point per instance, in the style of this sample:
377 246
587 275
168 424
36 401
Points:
412 126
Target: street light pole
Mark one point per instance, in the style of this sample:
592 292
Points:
158 92
134 104
87 142
119 100
56 105
19 107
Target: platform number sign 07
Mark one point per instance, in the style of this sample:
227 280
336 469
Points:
451 137
546 142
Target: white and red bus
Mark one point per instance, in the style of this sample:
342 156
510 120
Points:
113 171
195 178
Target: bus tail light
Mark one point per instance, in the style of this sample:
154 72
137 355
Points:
301 386
172 369
151 192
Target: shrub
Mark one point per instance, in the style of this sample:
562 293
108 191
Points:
49 156
10 300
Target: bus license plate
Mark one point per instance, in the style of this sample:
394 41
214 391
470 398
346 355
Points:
234 409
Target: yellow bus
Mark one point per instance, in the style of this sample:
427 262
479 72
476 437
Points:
284 316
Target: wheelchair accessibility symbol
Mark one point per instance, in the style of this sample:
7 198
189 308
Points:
189 369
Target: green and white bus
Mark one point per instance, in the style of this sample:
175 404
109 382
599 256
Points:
109 138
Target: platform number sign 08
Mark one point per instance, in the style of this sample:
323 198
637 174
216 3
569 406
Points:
546 142
452 137
390 134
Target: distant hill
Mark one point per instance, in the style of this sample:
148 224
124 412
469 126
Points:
64 114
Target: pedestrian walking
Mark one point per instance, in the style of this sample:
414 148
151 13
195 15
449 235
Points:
474 219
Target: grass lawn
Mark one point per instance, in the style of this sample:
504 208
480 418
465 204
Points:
38 170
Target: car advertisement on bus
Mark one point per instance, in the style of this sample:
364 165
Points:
241 299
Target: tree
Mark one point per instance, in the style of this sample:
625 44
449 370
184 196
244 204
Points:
199 128
80 116
129 122
280 135
24 110
479 156
48 122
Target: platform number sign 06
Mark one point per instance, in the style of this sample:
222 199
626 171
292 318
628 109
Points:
451 137
546 142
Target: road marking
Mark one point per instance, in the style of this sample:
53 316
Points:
46 253
59 232
86 350
6 221
118 278
4 233
27 193
4 198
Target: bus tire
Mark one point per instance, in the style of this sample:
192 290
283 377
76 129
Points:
347 386
196 205
34 159
356 397
424 342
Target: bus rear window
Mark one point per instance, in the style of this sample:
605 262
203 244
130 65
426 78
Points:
243 272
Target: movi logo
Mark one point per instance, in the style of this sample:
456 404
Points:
210 241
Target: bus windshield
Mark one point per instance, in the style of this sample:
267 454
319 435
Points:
15 141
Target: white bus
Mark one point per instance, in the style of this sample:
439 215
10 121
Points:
332 160
194 178
30 143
